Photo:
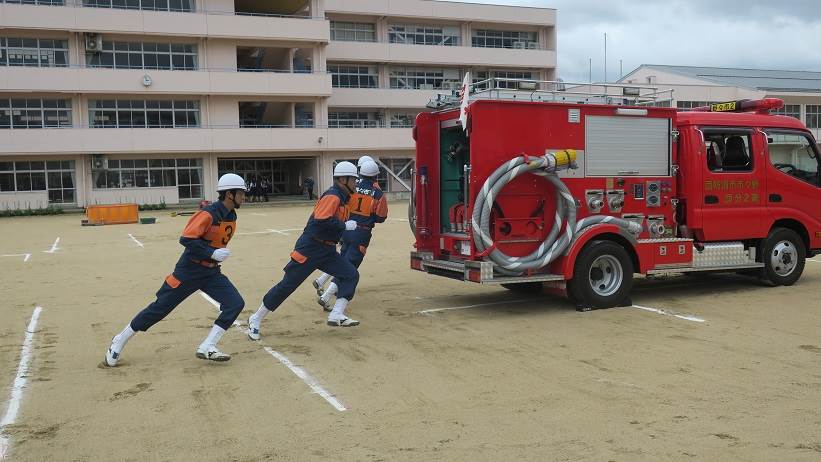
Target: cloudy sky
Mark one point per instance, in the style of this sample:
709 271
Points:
760 34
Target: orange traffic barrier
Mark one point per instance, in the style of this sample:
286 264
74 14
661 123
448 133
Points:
114 214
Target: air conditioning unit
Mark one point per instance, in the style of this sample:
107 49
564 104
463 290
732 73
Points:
426 86
94 43
520 45
527 85
532 45
99 162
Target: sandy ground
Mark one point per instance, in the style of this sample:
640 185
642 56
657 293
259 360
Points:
516 378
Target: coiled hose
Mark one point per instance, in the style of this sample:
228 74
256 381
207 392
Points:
557 241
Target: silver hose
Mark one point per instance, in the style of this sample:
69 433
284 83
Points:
557 240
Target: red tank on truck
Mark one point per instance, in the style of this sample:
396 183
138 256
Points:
534 185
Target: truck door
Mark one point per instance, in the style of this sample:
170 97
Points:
733 185
792 179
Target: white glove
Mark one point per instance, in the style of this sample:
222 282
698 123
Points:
221 254
350 225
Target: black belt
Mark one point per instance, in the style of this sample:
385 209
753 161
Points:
324 241
205 263
364 227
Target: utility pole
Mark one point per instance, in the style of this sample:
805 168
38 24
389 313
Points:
591 70
605 57
621 70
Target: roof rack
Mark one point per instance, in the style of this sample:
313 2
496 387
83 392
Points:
557 91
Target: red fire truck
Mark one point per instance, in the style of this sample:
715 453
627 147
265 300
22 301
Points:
530 185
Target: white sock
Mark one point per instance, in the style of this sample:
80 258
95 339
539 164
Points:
213 337
122 338
339 308
259 316
322 279
330 292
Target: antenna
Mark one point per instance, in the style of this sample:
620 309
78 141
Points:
591 70
605 57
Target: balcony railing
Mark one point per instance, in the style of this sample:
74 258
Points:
170 9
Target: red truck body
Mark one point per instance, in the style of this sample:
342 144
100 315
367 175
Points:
712 191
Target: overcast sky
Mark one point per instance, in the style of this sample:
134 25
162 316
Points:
759 34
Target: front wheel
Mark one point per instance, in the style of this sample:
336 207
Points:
603 275
783 256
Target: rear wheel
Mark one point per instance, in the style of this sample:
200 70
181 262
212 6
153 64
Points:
603 275
783 255
524 287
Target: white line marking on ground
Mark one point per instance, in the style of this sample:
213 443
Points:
436 310
135 240
19 383
54 247
814 261
298 371
400 219
25 256
668 313
310 381
259 214
254 232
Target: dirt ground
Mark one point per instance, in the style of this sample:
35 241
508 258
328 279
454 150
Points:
514 378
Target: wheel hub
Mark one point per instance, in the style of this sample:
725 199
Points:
784 258
606 275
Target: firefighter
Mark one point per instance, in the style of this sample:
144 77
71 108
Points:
367 206
323 278
316 248
205 239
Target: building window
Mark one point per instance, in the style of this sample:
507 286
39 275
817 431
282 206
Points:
54 176
424 78
403 119
484 38
790 110
354 119
350 76
143 114
137 55
485 75
35 113
32 52
413 34
36 2
151 5
687 105
186 174
353 31
813 116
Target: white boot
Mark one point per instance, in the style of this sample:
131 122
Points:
112 355
320 282
255 320
208 348
337 316
325 299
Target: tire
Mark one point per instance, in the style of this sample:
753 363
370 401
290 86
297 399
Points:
603 275
783 254
524 287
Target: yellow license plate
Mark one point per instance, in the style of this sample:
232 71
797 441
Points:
723 107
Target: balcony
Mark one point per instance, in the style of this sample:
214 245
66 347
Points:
207 139
141 22
449 11
131 81
383 52
381 97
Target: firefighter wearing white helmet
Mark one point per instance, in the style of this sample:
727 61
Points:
316 249
367 206
205 239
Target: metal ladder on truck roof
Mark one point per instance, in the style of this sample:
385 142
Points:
557 91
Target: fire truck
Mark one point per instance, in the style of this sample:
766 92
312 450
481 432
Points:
533 185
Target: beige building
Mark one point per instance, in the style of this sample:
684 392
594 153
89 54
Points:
108 101
699 86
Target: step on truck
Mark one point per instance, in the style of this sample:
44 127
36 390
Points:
533 184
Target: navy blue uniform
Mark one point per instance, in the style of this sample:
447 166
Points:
316 249
367 206
209 229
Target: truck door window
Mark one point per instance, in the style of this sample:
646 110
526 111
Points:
728 152
794 154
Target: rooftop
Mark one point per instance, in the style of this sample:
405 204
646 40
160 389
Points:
756 79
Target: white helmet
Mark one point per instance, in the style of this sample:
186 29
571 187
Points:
345 169
231 181
369 168
364 159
